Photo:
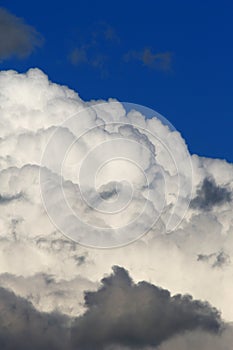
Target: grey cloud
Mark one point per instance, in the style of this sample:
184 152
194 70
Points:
95 53
99 61
16 37
209 195
120 315
87 56
219 259
104 31
24 328
90 51
138 315
109 191
55 242
5 199
110 34
78 56
199 340
48 294
159 61
80 259
196 340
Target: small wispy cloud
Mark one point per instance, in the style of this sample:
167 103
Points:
104 31
95 50
209 195
16 37
85 56
160 61
102 45
78 56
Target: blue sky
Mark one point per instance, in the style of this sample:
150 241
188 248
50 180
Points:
173 56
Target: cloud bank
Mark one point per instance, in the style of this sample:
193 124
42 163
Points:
103 174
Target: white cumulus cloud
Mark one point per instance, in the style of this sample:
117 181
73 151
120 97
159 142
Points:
104 175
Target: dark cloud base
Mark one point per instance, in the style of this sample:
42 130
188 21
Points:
24 328
120 313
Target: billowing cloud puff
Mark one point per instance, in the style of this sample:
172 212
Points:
104 174
80 148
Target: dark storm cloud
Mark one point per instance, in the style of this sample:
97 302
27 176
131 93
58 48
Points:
138 315
121 313
160 60
210 195
16 37
24 328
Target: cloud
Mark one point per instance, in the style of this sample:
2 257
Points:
95 50
78 56
4 199
111 34
102 31
219 259
16 37
22 327
160 61
36 116
200 340
119 315
86 56
102 45
138 315
48 294
209 195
